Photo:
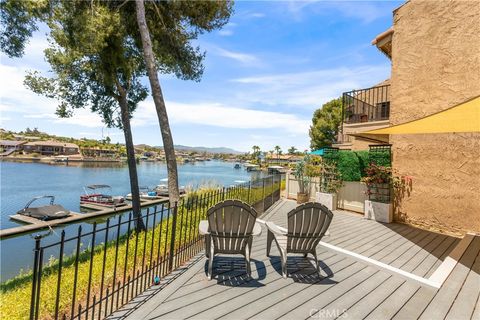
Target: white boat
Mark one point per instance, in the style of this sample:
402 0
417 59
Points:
162 190
100 198
145 194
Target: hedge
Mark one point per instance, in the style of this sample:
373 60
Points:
352 164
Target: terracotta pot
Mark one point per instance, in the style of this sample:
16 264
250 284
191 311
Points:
302 197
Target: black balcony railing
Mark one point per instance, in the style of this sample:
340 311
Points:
102 266
366 105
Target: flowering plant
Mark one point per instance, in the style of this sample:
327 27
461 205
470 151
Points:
380 181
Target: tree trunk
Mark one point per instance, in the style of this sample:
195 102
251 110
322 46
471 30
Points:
157 94
132 165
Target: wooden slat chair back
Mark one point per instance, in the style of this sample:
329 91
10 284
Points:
231 225
229 229
307 225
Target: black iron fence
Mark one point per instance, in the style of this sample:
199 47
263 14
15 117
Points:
89 275
365 105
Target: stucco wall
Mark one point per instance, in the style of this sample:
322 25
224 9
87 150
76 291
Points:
359 143
436 65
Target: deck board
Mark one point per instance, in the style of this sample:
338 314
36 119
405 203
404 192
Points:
349 286
468 295
445 298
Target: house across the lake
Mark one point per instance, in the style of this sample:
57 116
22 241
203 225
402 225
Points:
7 145
49 148
99 152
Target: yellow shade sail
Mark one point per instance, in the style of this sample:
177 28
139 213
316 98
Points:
464 117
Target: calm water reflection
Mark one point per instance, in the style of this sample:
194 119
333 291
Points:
20 182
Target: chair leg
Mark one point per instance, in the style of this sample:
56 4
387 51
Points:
207 246
283 256
317 265
210 263
270 238
247 260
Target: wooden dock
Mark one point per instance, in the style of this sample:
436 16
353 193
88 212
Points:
31 224
98 206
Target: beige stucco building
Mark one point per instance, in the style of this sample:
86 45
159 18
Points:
436 65
434 47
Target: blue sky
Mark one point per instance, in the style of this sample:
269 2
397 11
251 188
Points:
266 72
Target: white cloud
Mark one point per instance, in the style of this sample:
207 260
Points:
310 88
225 32
219 115
244 58
256 15
364 11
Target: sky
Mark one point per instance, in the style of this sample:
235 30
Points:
266 72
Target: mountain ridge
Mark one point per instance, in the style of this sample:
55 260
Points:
205 149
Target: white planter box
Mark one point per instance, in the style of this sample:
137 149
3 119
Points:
381 212
329 200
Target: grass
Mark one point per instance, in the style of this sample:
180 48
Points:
194 206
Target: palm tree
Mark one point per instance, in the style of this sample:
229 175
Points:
256 151
292 150
278 150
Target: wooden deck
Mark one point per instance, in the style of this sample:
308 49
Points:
348 288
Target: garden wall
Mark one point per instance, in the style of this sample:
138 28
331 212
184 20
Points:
351 195
436 65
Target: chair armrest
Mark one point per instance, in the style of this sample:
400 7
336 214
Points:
203 227
272 227
257 229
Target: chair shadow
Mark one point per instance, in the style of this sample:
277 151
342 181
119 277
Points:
301 270
232 272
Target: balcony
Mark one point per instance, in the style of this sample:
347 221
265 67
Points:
369 270
366 105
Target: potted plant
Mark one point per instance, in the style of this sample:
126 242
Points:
330 183
381 183
303 179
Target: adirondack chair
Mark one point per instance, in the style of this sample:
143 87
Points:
307 224
229 229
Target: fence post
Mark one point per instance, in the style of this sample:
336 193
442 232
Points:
249 189
35 275
223 193
263 194
273 187
172 238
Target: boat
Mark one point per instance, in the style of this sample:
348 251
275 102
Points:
99 198
48 212
162 190
237 166
252 167
60 159
145 194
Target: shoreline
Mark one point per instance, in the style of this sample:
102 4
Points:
55 160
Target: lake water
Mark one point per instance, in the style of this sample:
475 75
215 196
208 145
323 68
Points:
20 182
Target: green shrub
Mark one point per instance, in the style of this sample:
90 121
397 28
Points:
380 158
352 164
349 166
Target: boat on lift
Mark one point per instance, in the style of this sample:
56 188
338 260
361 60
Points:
145 194
94 196
162 190
47 212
